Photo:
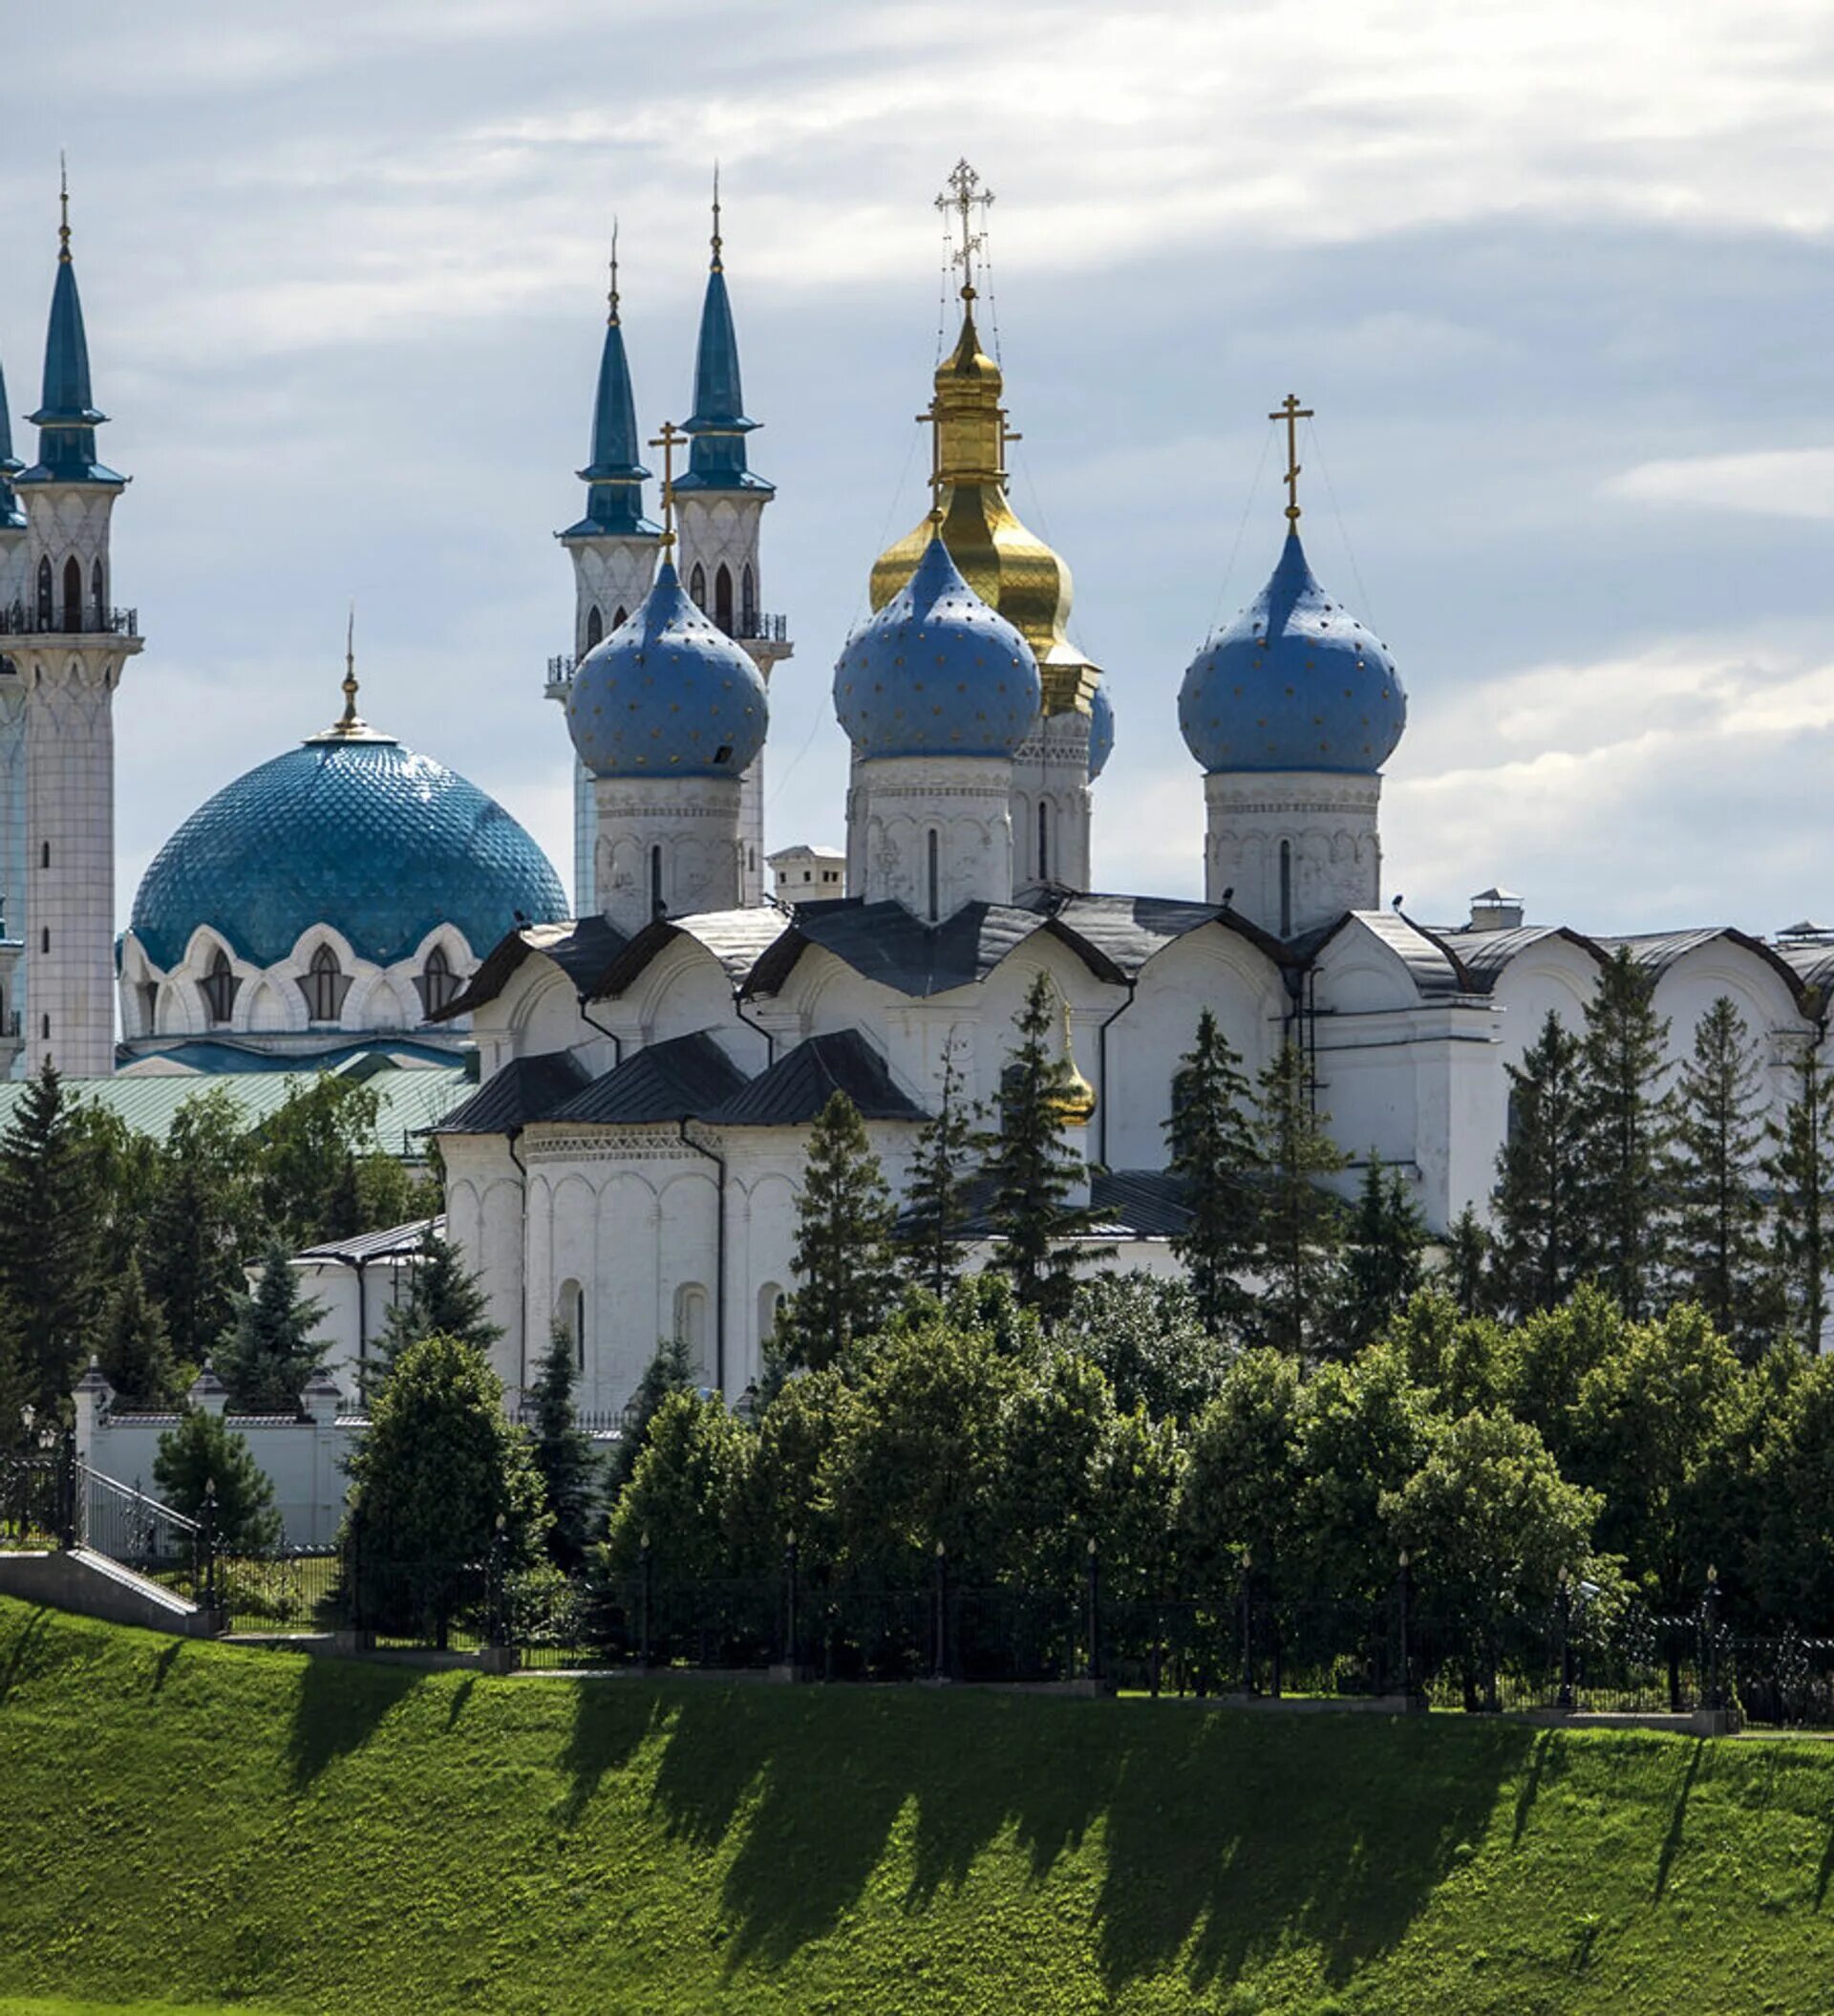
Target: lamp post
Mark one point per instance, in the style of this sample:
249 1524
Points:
1403 1589
789 1600
209 1540
1247 1621
1710 1676
1094 1610
643 1599
1563 1616
498 1552
939 1663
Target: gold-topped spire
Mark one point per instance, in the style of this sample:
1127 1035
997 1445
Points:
612 298
1292 412
350 727
666 440
962 193
63 204
718 264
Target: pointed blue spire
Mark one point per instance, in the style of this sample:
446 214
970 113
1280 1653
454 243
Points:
614 501
717 426
11 517
67 419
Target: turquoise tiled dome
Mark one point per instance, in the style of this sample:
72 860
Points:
355 832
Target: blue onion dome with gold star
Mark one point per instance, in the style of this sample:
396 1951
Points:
350 830
1294 683
668 694
1101 732
937 672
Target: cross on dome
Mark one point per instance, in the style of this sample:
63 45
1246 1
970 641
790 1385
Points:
666 440
962 193
1292 412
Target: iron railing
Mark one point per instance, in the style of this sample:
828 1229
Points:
121 1521
20 620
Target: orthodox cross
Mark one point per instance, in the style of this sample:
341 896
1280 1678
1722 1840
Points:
962 193
666 440
1292 412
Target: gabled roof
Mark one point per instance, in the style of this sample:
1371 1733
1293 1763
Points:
883 942
1127 931
1434 970
1812 961
678 1080
738 939
365 1246
1656 952
795 1088
583 948
527 1088
1485 955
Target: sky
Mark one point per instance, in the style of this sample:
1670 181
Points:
1557 280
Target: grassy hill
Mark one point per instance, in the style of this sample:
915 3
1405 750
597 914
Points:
190 1825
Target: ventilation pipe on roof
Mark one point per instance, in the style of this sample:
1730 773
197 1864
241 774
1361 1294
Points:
1496 910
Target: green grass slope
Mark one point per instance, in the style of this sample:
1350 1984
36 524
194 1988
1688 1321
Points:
185 1824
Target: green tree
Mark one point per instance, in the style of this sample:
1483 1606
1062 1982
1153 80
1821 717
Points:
1149 1343
1794 1567
49 1276
936 1191
1463 1362
798 1435
1718 1251
1552 1355
1540 1229
1801 1168
1384 1255
1138 1482
672 1370
1242 1473
319 1174
202 1457
682 1503
1055 1435
133 1349
443 1300
843 1262
1041 1233
203 1221
1301 1223
563 1454
438 1467
1464 1269
1213 1155
269 1353
1626 1130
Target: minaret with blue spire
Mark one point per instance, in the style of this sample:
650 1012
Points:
13 744
721 504
72 645
613 548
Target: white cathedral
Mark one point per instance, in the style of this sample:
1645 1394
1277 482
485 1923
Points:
650 1065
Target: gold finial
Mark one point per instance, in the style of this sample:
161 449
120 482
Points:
1292 412
666 440
963 192
612 299
719 265
349 724
63 202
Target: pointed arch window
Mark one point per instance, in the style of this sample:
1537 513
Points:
1286 889
697 586
324 983
73 593
622 617
747 604
656 907
45 615
98 597
594 627
723 598
932 866
219 987
437 985
1044 841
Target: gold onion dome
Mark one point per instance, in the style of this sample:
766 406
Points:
1073 1097
1009 567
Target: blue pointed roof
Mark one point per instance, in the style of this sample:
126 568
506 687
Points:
11 517
717 426
614 503
66 417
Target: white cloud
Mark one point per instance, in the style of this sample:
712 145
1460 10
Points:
1774 483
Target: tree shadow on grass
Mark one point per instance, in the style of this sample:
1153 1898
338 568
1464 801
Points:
1677 1821
18 1656
337 1708
610 1719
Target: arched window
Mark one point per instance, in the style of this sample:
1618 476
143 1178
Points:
44 1027
747 605
1044 843
933 849
697 586
45 617
325 984
691 1320
569 1315
594 627
44 853
219 987
73 593
44 938
437 985
1286 889
770 1299
723 598
621 618
98 596
656 906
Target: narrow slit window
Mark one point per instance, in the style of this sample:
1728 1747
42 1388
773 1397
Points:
1286 889
934 878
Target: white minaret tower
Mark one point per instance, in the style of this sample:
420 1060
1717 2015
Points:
71 651
719 507
613 549
13 746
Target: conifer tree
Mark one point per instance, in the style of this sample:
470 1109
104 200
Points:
1213 1155
47 1272
1032 1172
204 1458
1301 1223
936 1192
1625 1129
672 1370
204 1220
563 1454
1540 1230
1385 1254
844 1264
269 1353
1718 1253
442 1301
1467 1266
1801 1167
132 1349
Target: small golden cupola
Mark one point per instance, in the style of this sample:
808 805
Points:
1009 567
1073 1096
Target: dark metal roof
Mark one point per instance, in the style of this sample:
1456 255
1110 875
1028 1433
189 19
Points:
1126 931
1485 955
795 1088
1128 1204
663 1082
738 939
376 1245
1813 964
1433 969
883 942
582 949
1656 952
527 1088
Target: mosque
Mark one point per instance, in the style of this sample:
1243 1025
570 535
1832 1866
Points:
649 1064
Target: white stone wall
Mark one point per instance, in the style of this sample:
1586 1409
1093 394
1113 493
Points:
1051 776
966 803
1320 824
690 824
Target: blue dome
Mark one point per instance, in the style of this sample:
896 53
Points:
1294 683
1101 732
668 694
355 832
936 673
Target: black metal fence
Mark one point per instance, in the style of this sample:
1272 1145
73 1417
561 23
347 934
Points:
37 1501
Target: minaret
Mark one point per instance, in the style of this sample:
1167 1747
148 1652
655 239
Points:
615 559
71 652
13 746
720 505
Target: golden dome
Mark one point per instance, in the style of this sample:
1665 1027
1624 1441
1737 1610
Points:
1010 568
1075 1097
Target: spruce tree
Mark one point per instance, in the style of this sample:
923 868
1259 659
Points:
1718 1252
132 1349
1540 1224
1385 1254
1467 1266
1301 1223
563 1454
442 1301
47 1259
672 1370
204 1458
936 1191
1213 1156
1032 1172
1625 1129
203 1222
843 1262
269 1353
1801 1167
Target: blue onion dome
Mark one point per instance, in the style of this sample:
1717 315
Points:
937 672
352 830
1294 683
668 694
1101 732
